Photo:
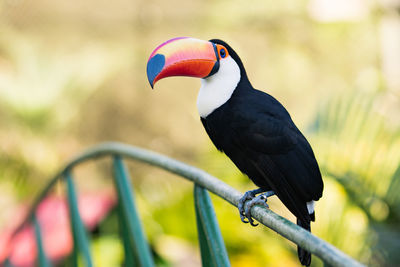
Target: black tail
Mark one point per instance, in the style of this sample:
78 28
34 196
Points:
304 255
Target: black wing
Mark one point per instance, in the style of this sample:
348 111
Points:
276 151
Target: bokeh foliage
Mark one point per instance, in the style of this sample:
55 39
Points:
73 74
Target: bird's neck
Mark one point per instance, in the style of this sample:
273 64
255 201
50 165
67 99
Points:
217 89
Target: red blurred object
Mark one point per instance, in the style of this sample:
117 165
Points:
52 215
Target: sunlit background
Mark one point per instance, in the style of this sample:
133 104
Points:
72 74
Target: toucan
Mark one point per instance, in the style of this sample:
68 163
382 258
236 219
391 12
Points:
250 126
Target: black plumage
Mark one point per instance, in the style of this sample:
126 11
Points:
257 133
250 126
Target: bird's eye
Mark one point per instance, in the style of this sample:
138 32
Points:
222 53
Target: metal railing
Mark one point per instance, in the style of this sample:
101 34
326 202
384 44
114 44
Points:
137 252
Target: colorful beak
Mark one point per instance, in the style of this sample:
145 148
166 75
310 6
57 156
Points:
182 56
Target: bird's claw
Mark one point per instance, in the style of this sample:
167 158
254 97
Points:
243 218
259 200
249 195
245 206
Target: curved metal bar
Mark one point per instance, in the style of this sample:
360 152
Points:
327 252
140 246
212 247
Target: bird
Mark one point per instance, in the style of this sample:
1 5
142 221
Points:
249 125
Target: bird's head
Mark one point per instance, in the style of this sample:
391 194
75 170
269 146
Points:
191 57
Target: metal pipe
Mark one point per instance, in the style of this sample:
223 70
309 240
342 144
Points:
322 249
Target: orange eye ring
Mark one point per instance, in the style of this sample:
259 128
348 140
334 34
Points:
222 51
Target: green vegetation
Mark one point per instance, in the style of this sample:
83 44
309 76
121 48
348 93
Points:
72 74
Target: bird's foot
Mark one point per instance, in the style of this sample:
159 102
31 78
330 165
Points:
258 200
249 195
245 207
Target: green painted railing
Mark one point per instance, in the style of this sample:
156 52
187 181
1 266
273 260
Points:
136 248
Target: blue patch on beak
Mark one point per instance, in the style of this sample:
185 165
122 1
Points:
154 67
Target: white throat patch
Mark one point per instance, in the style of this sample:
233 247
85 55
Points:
218 88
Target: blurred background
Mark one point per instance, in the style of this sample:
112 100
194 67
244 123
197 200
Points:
72 74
